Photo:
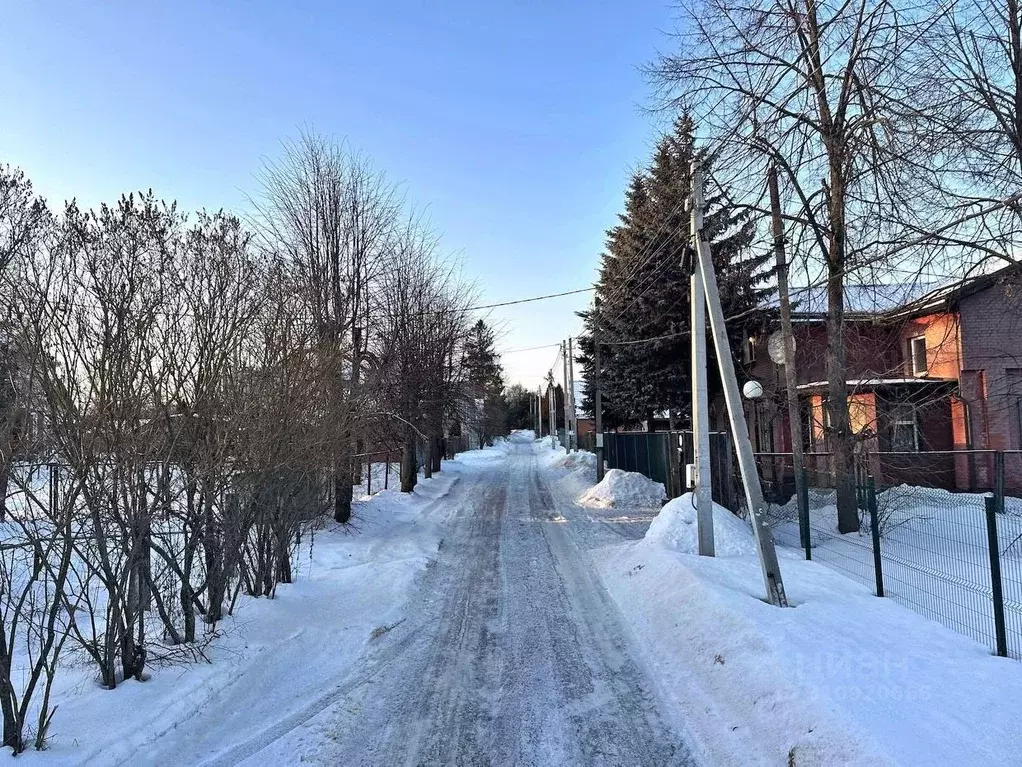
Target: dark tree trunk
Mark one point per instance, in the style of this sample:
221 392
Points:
343 490
12 723
837 385
438 454
409 471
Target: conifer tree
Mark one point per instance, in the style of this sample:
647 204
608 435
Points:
485 379
643 289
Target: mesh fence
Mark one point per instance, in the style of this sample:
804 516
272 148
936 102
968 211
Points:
934 540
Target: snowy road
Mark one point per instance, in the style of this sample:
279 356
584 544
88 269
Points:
511 653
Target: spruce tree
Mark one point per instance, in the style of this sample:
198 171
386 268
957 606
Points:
485 379
643 290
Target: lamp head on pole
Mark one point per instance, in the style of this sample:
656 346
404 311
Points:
752 389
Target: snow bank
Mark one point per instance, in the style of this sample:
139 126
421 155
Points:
676 528
580 461
548 443
624 489
347 587
841 677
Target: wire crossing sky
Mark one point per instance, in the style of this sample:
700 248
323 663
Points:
515 125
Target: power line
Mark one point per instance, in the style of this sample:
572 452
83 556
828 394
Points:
530 300
528 349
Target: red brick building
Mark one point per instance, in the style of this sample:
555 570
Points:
934 375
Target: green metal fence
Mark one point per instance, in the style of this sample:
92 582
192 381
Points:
662 457
954 556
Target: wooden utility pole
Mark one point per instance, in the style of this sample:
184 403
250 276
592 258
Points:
739 428
574 406
597 392
703 491
788 340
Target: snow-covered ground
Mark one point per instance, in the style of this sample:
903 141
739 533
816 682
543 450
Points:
493 618
841 677
935 554
276 660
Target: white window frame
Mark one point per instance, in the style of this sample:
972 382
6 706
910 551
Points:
913 356
905 422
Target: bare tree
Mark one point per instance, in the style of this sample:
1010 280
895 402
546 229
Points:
333 217
24 219
815 88
102 289
423 324
964 93
37 541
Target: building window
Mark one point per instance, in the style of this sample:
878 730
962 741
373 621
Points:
750 350
764 429
917 348
904 430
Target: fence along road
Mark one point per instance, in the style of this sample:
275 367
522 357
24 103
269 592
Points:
937 552
512 653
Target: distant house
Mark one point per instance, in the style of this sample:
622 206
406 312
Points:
584 419
934 374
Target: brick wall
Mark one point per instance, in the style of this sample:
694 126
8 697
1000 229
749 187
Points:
941 332
991 340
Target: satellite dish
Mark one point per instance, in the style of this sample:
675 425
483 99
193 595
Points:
775 347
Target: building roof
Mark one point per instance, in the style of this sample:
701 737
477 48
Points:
866 383
868 298
893 299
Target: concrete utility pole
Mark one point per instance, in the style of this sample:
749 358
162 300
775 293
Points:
703 491
739 428
788 340
551 403
574 406
539 410
567 399
597 392
538 414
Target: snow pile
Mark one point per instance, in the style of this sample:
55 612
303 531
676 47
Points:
580 461
676 528
840 677
624 489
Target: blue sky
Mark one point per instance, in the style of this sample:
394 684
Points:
515 123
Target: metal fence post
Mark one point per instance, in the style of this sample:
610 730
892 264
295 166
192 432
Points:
874 528
990 503
999 480
803 513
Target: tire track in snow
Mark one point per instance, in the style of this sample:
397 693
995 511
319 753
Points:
512 653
